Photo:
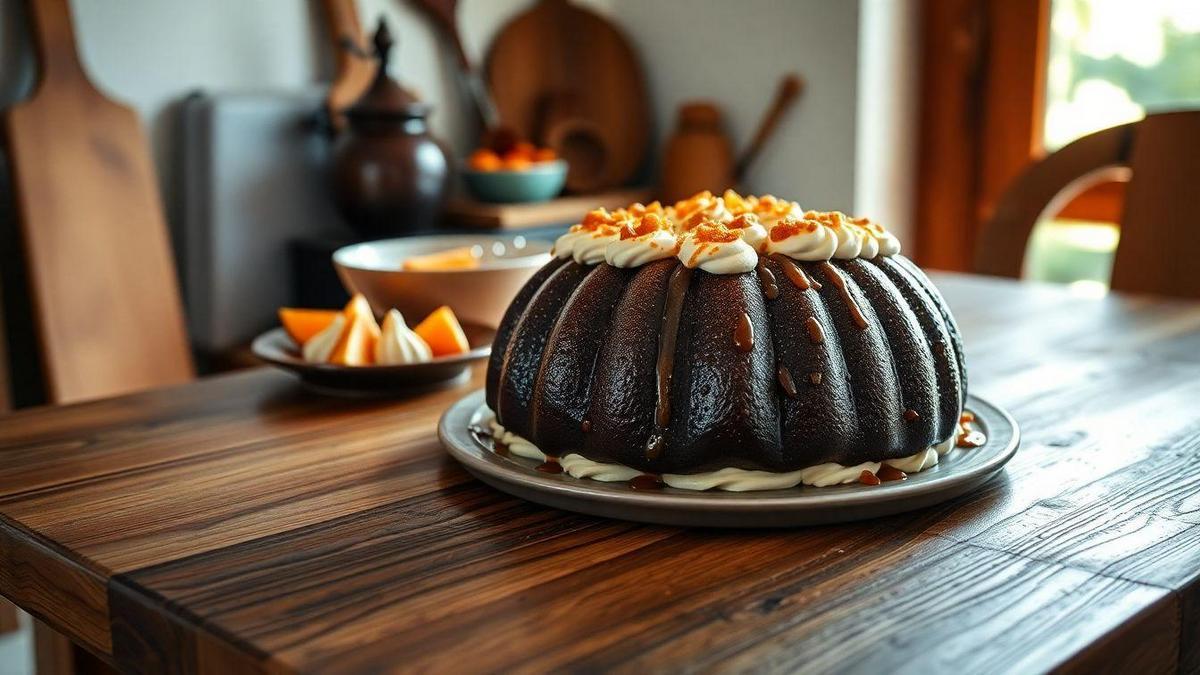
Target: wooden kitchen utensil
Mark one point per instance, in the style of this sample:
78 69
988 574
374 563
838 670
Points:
789 90
496 136
355 67
102 280
559 54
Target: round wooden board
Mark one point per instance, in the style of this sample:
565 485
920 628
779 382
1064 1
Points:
558 49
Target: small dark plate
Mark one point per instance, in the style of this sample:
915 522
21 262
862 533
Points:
278 349
958 473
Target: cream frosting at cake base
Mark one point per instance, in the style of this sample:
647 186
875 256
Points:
730 479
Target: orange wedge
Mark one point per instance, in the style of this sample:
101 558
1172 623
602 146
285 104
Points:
454 259
359 308
302 324
357 344
443 333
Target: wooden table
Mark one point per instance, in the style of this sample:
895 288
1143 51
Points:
240 524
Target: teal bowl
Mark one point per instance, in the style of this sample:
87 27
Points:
538 183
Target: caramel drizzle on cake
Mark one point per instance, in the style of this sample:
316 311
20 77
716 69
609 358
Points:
668 335
785 381
836 278
794 274
766 279
743 334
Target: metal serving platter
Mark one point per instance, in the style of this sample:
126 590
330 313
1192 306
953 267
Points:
463 432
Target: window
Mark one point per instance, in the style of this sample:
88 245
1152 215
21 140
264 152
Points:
1109 62
1004 82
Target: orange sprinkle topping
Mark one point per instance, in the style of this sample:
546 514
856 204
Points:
714 233
651 222
597 219
697 202
692 220
791 226
735 202
830 219
637 209
742 221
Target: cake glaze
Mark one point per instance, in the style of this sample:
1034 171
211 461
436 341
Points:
728 332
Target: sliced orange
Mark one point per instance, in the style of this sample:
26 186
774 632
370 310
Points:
454 259
357 344
443 333
358 307
303 324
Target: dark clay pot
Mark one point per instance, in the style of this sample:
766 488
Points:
389 177
389 174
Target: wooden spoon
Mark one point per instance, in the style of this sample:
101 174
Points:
355 67
789 90
496 136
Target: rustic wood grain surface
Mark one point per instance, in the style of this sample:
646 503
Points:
241 524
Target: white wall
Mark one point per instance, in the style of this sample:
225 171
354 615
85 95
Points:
846 145
735 53
151 53
885 164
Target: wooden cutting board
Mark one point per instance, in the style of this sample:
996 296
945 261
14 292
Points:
558 55
104 291
560 211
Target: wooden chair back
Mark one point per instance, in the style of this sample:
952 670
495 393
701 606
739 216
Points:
1160 222
102 282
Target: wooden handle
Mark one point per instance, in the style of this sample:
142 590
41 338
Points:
344 26
789 90
54 37
444 13
355 69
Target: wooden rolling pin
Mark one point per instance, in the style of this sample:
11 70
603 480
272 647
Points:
789 90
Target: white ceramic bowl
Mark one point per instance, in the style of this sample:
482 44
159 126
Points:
476 295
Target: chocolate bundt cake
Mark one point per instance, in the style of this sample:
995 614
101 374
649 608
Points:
728 342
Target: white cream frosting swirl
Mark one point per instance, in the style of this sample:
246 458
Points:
640 250
702 208
729 479
802 240
849 241
717 257
590 249
751 229
564 246
586 241
763 225
888 244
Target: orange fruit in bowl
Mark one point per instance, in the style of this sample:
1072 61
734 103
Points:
484 160
302 324
545 155
516 163
442 332
522 149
